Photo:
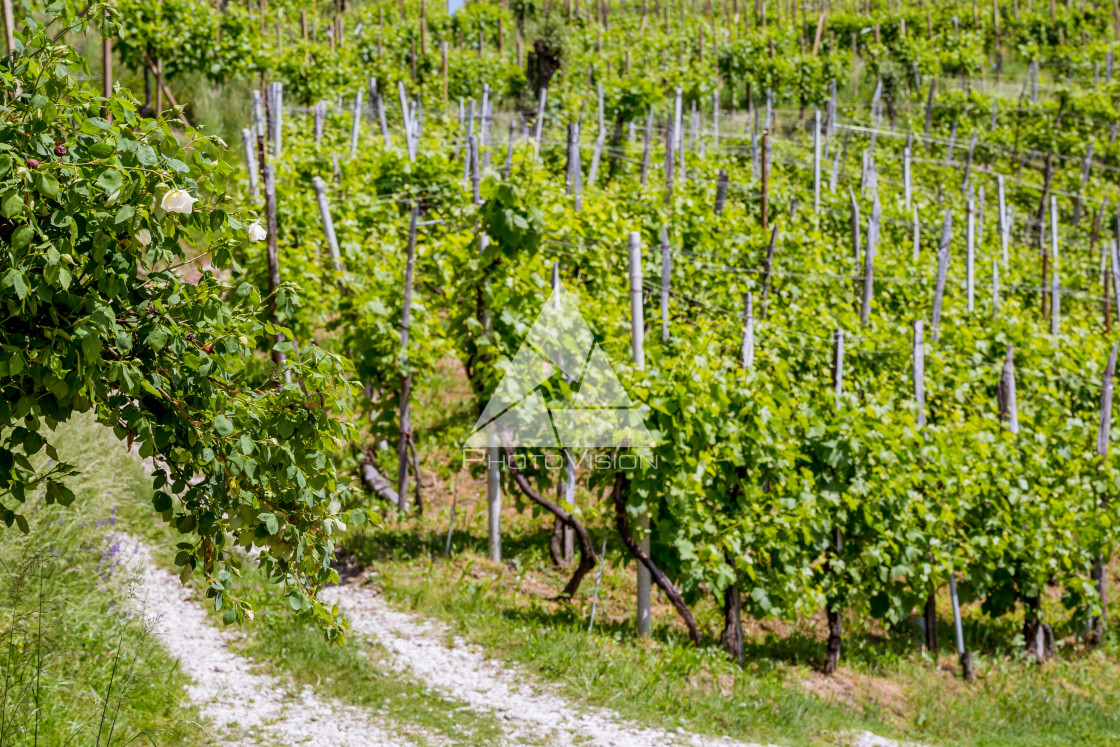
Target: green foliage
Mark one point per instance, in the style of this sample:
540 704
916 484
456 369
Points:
188 35
98 213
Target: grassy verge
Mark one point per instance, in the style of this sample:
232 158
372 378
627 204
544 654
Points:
356 673
886 685
78 665
295 651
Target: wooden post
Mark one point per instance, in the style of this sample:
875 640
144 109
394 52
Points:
817 158
645 148
906 189
9 27
1104 430
443 67
1042 203
917 236
965 657
1114 263
831 127
379 106
666 276
577 173
835 174
405 442
407 119
320 121
748 333
918 370
637 334
250 160
567 485
600 140
869 265
472 144
356 124
509 150
1086 166
942 272
768 269
1055 284
486 117
670 137
765 180
854 224
303 34
328 224
493 449
277 117
1005 393
876 114
970 255
570 175
259 127
968 164
721 192
1004 223
106 60
715 119
918 357
676 126
838 366
273 251
157 71
539 124
995 288
469 130
929 115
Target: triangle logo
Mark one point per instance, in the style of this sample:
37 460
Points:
599 412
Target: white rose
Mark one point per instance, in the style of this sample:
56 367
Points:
144 237
178 201
257 232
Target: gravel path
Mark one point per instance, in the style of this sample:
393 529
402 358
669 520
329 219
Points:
248 708
257 708
533 713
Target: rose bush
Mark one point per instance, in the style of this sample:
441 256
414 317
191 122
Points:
96 215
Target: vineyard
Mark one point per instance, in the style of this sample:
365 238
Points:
849 271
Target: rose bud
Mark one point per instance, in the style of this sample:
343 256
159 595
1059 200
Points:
33 163
60 150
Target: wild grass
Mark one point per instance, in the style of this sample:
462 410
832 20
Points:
78 665
886 684
358 673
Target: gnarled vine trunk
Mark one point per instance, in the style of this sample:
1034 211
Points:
541 64
1037 633
731 639
1096 630
375 481
587 555
556 549
931 623
675 598
835 636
